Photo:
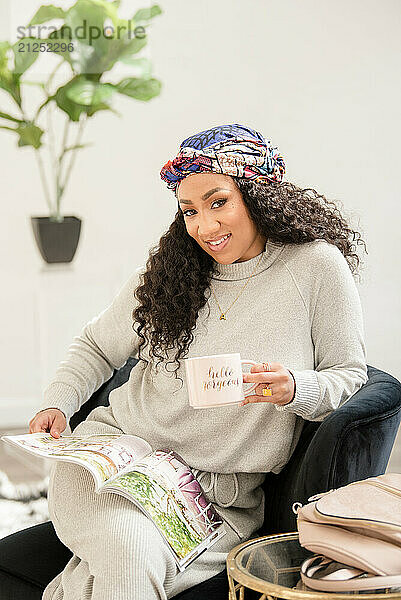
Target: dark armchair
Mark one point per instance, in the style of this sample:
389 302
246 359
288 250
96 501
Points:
352 443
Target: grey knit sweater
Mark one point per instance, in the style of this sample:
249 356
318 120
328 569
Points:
301 308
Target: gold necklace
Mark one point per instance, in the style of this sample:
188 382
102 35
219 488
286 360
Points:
223 314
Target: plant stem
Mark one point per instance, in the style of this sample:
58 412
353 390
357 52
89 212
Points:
61 187
41 170
10 118
65 135
43 178
52 145
51 76
63 148
41 107
52 140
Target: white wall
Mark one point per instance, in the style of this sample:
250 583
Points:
320 78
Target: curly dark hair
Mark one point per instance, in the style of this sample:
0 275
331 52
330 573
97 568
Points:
178 271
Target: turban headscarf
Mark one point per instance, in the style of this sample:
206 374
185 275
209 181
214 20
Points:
233 150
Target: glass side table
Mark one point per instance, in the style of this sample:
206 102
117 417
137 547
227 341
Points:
270 565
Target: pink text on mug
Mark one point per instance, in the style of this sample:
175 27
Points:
216 380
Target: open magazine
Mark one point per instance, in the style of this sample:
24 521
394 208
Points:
158 482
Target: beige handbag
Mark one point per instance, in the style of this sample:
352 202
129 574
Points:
355 531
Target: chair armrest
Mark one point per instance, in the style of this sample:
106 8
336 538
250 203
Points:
352 443
101 396
378 398
355 441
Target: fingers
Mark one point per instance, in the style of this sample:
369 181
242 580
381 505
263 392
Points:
279 380
39 424
260 367
259 374
260 377
259 399
255 399
50 421
57 427
59 424
264 378
257 396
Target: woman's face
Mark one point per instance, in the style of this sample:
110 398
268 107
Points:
213 208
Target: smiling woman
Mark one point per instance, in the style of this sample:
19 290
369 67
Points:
218 219
227 181
250 265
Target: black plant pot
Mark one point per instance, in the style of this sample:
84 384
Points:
57 242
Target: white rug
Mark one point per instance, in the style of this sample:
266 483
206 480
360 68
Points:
15 515
22 504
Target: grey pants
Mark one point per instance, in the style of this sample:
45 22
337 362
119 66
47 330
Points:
118 553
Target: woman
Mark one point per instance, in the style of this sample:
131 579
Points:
252 265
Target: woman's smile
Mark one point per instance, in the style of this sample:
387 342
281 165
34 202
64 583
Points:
219 245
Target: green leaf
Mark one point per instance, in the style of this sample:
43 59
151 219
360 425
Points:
65 37
12 87
141 89
142 66
86 19
10 83
47 13
8 80
64 34
73 109
93 51
30 134
70 107
91 110
130 47
114 51
4 47
24 56
86 22
144 14
110 9
90 93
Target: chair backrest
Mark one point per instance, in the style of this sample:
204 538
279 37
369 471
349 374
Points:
101 396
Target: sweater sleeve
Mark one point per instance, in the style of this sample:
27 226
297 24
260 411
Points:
104 344
338 339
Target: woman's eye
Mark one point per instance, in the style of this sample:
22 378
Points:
219 202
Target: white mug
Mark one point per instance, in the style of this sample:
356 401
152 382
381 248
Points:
216 380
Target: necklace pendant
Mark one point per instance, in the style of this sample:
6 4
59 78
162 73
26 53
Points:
223 317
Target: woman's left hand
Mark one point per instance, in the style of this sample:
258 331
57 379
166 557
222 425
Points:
278 379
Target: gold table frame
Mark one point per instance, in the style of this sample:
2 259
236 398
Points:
270 591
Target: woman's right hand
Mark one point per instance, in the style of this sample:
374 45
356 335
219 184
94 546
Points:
50 420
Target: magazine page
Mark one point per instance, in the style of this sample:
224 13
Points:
164 487
103 455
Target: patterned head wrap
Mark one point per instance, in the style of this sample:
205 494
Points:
233 150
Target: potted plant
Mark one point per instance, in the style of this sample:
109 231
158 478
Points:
87 41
